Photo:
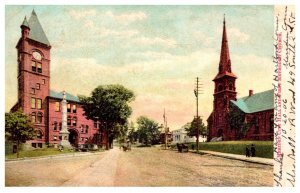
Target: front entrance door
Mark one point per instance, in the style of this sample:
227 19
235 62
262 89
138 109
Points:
73 137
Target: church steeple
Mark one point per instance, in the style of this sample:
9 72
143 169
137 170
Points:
225 62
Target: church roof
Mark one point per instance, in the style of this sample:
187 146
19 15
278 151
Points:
25 22
36 31
59 95
257 102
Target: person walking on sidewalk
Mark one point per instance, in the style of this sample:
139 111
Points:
247 151
253 150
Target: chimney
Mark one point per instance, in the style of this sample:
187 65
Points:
250 93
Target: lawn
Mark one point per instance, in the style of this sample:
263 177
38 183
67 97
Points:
36 153
263 148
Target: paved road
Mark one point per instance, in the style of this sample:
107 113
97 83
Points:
139 167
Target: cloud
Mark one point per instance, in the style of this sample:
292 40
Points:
147 41
79 14
127 18
104 32
238 35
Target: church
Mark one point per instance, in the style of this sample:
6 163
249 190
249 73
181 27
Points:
256 109
42 104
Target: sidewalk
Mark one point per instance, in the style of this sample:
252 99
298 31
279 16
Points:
258 160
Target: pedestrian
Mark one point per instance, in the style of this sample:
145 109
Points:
247 151
253 150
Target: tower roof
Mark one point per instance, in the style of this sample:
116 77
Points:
225 62
25 22
36 31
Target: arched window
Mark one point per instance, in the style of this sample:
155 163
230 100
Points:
230 86
39 117
220 87
86 129
55 126
33 117
39 134
69 121
74 121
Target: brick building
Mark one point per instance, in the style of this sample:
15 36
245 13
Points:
256 108
39 102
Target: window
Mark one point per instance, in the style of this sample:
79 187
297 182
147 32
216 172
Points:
39 134
82 128
74 108
60 126
57 106
33 145
33 66
33 103
54 138
43 81
86 129
82 138
69 121
40 145
272 124
39 103
230 87
86 139
38 86
39 67
32 91
69 107
74 121
33 117
220 87
39 117
55 126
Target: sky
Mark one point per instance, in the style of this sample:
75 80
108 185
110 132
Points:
156 51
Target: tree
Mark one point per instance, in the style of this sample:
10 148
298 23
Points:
132 133
148 130
191 127
237 121
19 128
108 104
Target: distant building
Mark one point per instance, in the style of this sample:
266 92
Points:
257 108
39 102
181 136
162 136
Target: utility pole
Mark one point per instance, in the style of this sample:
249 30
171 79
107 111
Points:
165 125
197 91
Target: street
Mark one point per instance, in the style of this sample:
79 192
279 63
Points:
139 167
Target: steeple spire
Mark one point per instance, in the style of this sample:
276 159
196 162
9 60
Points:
25 22
225 63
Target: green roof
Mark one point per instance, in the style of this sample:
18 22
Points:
59 95
36 31
25 23
257 102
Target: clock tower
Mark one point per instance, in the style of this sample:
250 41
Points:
33 50
224 92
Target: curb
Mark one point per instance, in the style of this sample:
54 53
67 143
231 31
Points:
240 159
223 155
52 157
